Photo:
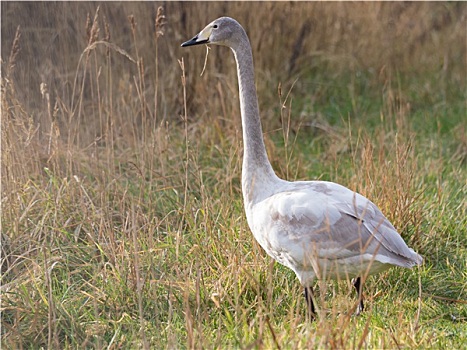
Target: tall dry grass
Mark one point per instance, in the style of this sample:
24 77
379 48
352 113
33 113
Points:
122 222
106 79
299 36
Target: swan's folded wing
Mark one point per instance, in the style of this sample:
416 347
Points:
338 224
317 223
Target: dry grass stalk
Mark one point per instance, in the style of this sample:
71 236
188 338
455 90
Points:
159 22
15 49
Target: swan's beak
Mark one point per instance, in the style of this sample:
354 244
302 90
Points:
201 38
195 41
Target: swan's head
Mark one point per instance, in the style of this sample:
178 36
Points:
222 31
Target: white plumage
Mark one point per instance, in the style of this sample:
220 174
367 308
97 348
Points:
318 229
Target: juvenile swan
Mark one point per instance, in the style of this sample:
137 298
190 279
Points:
319 229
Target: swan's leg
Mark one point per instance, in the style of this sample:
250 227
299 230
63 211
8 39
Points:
309 302
357 283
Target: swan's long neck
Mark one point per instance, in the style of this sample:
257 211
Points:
257 173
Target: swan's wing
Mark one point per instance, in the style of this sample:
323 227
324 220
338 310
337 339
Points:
311 219
339 223
389 242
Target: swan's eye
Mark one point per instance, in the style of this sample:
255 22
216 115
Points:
214 26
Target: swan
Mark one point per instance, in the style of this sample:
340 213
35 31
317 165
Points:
319 229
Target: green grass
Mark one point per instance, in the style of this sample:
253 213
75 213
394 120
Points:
120 236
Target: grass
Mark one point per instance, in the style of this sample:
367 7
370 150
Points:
122 216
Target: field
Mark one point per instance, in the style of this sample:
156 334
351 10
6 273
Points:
122 220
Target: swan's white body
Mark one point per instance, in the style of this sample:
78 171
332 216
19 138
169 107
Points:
316 228
321 229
